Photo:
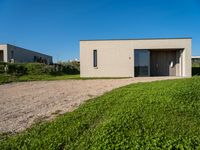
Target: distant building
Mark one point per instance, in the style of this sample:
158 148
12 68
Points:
11 53
195 61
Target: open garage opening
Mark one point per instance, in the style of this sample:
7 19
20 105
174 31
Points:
1 56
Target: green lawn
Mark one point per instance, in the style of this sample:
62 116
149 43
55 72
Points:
48 77
9 78
157 115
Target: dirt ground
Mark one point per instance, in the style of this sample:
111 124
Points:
22 104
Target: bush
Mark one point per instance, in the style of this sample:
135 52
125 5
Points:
17 69
70 67
20 69
2 67
49 69
35 68
7 78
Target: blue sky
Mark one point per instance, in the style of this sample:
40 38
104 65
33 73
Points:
56 26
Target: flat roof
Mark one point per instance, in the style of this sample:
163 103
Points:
137 39
195 56
27 49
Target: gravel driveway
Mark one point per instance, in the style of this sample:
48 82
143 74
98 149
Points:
22 104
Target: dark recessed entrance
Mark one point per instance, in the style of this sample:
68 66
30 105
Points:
142 67
1 55
158 62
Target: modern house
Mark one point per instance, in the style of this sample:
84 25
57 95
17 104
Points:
11 53
136 57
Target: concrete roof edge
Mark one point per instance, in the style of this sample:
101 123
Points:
27 49
137 39
195 56
3 44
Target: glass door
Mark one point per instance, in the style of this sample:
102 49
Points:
142 62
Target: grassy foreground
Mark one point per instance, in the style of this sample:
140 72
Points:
157 115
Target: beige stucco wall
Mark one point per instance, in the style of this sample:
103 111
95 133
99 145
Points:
4 49
21 54
116 57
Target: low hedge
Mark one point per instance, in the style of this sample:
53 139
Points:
2 67
36 68
19 69
70 67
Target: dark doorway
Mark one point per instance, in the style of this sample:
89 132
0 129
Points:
1 56
141 61
163 62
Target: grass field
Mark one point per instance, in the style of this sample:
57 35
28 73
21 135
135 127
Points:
10 78
157 115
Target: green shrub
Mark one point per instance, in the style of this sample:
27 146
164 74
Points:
49 69
17 69
2 67
35 68
41 69
20 69
70 67
4 78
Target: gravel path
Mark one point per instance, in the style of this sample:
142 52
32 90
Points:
22 104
